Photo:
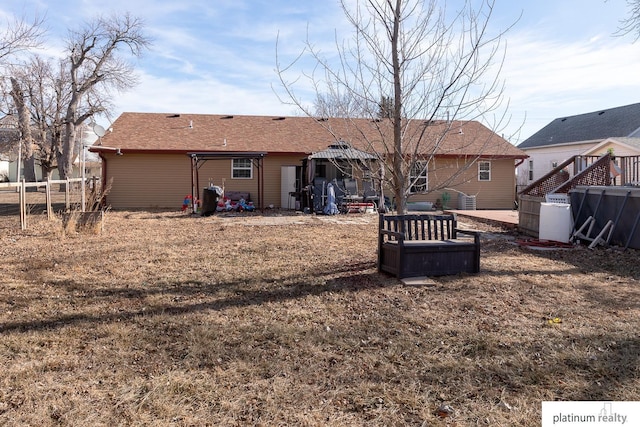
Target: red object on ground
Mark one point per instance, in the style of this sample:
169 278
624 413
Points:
551 244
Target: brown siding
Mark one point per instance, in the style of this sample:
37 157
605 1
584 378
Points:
499 193
272 172
147 181
163 180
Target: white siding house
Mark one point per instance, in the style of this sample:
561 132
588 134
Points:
616 130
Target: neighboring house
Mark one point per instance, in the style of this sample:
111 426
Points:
5 162
615 130
9 136
10 151
146 161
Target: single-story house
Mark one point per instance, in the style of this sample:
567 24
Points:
9 137
615 130
148 159
10 151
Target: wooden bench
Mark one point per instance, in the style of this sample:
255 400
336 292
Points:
426 245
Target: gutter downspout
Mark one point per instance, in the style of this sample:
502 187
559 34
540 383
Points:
103 175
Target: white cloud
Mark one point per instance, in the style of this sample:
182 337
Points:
548 79
202 96
219 57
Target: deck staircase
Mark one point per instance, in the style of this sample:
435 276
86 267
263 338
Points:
588 171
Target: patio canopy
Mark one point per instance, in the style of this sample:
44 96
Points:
198 158
342 151
337 152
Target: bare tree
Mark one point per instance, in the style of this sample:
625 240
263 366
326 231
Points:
24 127
46 92
17 36
20 35
97 66
335 105
631 24
416 68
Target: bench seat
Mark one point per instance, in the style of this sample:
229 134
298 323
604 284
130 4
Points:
426 245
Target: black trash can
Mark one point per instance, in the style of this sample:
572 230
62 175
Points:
209 202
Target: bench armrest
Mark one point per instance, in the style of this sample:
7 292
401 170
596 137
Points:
468 232
475 234
398 236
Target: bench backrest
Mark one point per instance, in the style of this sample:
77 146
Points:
418 227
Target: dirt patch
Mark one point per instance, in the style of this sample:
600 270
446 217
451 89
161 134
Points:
169 319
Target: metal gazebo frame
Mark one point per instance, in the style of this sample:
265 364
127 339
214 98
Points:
199 158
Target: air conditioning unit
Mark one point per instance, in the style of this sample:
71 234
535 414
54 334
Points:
466 203
557 198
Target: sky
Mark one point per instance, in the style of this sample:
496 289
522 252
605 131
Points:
219 56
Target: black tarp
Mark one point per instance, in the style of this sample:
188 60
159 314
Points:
607 203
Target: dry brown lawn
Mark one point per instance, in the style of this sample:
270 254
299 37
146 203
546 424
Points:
168 319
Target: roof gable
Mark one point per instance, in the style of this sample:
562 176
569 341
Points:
629 144
146 132
595 126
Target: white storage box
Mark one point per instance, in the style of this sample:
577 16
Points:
556 222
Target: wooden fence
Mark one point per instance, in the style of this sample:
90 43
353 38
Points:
46 196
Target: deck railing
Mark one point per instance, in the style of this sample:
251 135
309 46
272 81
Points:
586 170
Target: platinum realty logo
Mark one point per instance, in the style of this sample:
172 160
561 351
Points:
585 413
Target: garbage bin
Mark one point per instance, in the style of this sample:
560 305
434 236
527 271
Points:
209 202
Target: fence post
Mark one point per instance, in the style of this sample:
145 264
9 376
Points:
83 190
47 191
23 205
66 194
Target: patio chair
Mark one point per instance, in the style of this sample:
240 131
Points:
369 193
351 191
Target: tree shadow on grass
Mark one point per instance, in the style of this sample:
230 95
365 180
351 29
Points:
218 296
598 260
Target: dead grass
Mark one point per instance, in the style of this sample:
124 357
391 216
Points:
168 319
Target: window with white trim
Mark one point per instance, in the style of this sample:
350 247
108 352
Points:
418 178
530 170
241 168
484 171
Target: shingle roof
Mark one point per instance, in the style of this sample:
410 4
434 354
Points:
157 132
598 125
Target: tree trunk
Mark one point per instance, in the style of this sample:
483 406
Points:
398 159
24 126
65 159
30 171
46 173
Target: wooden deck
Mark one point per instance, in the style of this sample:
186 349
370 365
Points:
505 218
